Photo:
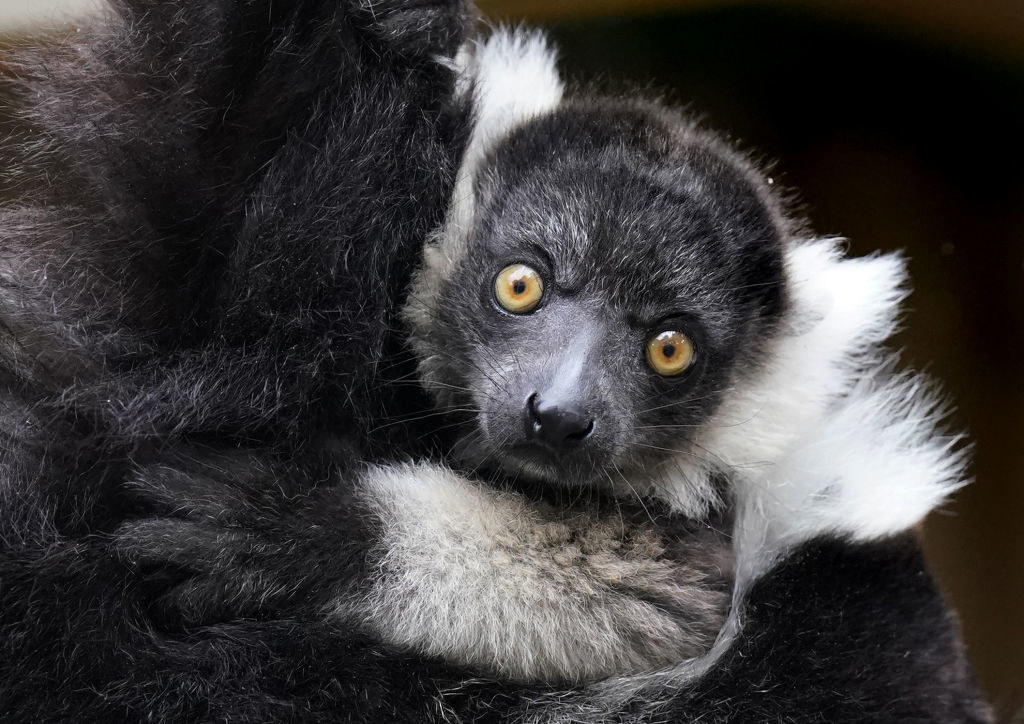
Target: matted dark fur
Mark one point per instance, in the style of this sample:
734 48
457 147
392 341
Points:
201 351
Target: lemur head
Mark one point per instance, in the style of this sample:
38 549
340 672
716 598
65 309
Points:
607 272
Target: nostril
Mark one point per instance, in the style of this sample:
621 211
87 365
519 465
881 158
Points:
581 434
532 420
531 407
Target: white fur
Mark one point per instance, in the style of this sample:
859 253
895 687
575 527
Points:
480 577
36 15
513 78
825 438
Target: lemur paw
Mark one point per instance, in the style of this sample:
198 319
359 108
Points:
225 538
188 572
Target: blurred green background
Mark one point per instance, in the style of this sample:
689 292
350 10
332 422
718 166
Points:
899 124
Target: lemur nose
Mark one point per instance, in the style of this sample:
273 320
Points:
558 423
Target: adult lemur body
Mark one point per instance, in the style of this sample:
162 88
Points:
209 509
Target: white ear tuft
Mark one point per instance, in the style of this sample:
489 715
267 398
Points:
514 79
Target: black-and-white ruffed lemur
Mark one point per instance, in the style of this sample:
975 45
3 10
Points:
354 371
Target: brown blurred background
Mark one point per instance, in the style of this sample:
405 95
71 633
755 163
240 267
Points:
899 123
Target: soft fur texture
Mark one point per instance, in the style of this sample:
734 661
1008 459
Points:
208 399
526 590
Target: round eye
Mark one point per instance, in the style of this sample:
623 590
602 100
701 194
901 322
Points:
518 288
669 353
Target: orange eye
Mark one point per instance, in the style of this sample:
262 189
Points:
669 353
518 288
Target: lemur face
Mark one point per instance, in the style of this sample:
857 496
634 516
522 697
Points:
618 270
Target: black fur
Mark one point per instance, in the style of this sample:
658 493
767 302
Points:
244 190
236 223
199 346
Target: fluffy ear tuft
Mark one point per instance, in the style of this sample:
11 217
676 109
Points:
513 78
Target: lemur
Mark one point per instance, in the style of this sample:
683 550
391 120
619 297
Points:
663 470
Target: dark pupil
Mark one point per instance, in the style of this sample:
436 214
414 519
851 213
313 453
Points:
669 350
518 287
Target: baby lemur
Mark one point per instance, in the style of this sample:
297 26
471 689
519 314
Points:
607 273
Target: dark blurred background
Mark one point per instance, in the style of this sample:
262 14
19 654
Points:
899 124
